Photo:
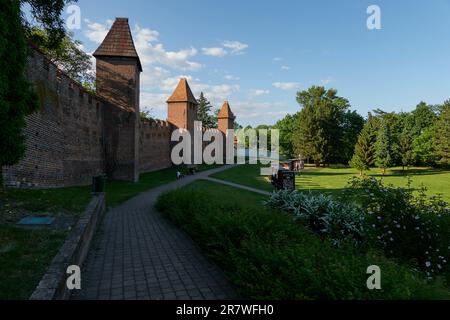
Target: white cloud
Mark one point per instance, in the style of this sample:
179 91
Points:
277 59
326 81
96 31
215 52
150 50
236 47
231 77
286 85
155 101
258 92
285 68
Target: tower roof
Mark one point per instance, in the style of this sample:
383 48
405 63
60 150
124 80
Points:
118 42
225 112
182 93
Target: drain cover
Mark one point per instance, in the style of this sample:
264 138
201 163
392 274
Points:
36 221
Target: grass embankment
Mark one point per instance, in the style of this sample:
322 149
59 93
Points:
267 255
25 254
247 175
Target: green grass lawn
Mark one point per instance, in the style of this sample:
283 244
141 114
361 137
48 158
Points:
333 180
248 175
267 255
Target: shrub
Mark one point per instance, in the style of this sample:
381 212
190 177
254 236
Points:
267 256
337 221
412 228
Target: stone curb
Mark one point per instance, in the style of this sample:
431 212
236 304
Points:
73 252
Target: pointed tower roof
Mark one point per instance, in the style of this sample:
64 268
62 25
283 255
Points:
118 42
182 93
225 112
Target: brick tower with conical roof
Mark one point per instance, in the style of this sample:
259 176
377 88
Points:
182 107
118 82
119 67
225 118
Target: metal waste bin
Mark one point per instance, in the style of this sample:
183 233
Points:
98 184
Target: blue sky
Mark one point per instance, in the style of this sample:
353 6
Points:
257 54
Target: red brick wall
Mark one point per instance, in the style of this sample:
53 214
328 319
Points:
155 146
74 136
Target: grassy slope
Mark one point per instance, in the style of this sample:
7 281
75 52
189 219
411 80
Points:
268 256
248 175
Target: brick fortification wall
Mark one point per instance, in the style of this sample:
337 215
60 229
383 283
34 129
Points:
154 145
66 137
76 135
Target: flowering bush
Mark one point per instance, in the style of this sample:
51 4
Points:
337 221
404 226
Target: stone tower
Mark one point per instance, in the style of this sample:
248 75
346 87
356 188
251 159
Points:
226 118
118 82
182 107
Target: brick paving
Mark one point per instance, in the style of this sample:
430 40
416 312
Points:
138 254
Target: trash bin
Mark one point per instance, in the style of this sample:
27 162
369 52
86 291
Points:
98 184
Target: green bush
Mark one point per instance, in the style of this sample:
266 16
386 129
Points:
337 221
268 256
412 228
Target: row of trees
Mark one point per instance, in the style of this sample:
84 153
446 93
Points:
327 132
420 137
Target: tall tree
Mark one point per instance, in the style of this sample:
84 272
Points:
287 126
383 147
319 132
405 148
424 117
443 135
46 14
204 112
16 97
352 125
364 156
424 147
67 55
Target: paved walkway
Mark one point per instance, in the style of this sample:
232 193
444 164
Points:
138 254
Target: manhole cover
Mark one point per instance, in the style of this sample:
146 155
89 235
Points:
36 221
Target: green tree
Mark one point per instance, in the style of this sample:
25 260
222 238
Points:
319 132
17 99
67 55
352 125
287 126
46 15
424 147
383 147
405 148
424 117
146 114
364 156
204 112
443 135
